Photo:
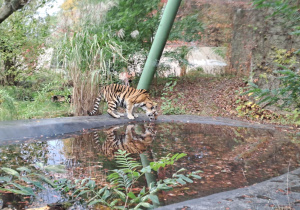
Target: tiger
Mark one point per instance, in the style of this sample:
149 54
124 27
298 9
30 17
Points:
117 95
129 141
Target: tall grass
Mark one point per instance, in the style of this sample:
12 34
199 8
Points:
18 103
88 55
7 107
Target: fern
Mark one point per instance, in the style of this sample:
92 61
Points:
127 175
124 161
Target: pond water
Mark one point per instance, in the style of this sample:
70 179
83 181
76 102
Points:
230 157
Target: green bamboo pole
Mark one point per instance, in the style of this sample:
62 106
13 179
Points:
156 50
159 43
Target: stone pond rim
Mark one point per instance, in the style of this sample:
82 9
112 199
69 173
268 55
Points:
20 130
258 196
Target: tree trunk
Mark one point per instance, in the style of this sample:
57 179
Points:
9 7
183 70
10 72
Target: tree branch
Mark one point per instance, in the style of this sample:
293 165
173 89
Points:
9 7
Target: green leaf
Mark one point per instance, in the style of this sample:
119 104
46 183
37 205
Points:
121 194
24 169
55 168
197 172
136 174
146 169
102 190
180 181
5 178
131 195
91 184
146 205
83 181
39 185
154 198
26 179
196 176
106 194
164 187
181 155
20 192
83 192
39 165
45 179
94 202
185 178
181 170
26 190
76 191
11 172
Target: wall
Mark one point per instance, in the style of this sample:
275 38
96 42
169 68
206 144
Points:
255 43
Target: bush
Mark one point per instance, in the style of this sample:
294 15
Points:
286 95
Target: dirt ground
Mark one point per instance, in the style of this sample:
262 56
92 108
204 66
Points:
212 96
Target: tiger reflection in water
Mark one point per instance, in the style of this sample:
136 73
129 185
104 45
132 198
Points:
132 141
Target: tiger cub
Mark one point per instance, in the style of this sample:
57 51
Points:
127 97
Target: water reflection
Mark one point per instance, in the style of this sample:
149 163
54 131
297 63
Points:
134 140
230 157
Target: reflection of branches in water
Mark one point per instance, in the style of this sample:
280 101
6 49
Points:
23 154
204 136
7 198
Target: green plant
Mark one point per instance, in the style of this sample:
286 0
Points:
22 39
18 181
285 57
293 117
134 24
165 161
170 105
221 51
187 28
123 180
287 94
180 55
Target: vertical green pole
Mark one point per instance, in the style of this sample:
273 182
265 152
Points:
156 50
159 43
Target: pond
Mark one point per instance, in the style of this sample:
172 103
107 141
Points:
230 157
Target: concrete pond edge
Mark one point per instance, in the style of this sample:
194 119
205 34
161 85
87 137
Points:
19 130
270 194
282 192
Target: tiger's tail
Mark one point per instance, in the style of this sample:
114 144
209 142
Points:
96 106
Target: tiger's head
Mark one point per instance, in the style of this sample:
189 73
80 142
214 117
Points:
150 109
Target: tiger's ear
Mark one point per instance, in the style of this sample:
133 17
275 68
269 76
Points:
155 105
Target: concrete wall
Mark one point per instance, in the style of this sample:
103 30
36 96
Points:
255 41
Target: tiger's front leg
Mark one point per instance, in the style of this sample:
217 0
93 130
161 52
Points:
134 114
129 109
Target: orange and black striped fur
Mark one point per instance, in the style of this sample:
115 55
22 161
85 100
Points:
127 97
129 141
